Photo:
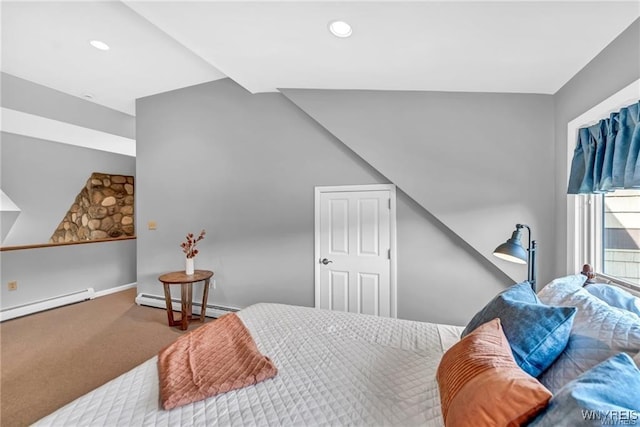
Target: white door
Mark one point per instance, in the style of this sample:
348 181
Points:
355 247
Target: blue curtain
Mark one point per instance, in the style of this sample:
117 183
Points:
607 154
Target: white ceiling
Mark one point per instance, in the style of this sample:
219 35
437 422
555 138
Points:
156 46
48 43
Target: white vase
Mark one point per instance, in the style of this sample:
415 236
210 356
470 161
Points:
188 267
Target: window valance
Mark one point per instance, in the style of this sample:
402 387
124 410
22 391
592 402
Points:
606 156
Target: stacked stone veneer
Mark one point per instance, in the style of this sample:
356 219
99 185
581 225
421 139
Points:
102 210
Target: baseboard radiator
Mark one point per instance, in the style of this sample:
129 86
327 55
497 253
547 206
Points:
46 304
159 302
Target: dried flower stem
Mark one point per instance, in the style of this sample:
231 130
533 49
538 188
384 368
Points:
189 247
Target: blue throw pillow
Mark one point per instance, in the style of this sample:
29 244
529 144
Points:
537 333
615 297
607 394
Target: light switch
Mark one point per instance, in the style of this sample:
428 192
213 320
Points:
152 225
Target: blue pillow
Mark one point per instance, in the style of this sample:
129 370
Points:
615 297
607 394
537 333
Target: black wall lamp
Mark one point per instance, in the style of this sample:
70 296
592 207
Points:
513 251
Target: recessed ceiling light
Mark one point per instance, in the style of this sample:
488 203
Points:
99 44
340 29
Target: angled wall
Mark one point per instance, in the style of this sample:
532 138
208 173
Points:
616 67
244 168
43 177
478 162
23 95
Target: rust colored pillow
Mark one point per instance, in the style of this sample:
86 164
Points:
215 358
481 384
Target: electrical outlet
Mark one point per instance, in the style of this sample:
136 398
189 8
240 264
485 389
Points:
213 283
13 285
152 225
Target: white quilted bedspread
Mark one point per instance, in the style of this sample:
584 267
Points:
599 331
333 369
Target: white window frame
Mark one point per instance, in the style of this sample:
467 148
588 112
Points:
584 211
588 217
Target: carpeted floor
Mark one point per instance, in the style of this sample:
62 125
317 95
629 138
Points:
48 359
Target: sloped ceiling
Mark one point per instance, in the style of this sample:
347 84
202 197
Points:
471 46
9 212
47 43
471 160
158 46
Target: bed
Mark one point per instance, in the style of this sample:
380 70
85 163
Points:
337 368
334 368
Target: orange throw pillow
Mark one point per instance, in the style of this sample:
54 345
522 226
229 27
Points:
215 358
481 384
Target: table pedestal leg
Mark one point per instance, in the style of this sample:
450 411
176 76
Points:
167 298
186 304
205 295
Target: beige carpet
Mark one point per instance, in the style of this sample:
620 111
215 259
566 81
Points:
48 359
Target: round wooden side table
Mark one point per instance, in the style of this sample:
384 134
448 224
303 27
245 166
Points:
186 282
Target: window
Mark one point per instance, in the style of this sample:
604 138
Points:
604 229
621 235
608 235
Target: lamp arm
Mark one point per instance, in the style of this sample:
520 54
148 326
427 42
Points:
531 262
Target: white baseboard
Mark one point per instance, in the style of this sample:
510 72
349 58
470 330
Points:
59 301
47 304
159 302
116 289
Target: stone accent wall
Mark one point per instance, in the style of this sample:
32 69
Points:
102 210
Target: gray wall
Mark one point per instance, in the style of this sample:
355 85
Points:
244 168
617 66
28 97
43 178
441 278
45 273
478 162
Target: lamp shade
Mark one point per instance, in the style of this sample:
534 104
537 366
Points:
512 249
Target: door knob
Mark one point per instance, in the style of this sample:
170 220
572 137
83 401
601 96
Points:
325 261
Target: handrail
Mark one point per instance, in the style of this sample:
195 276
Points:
49 245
